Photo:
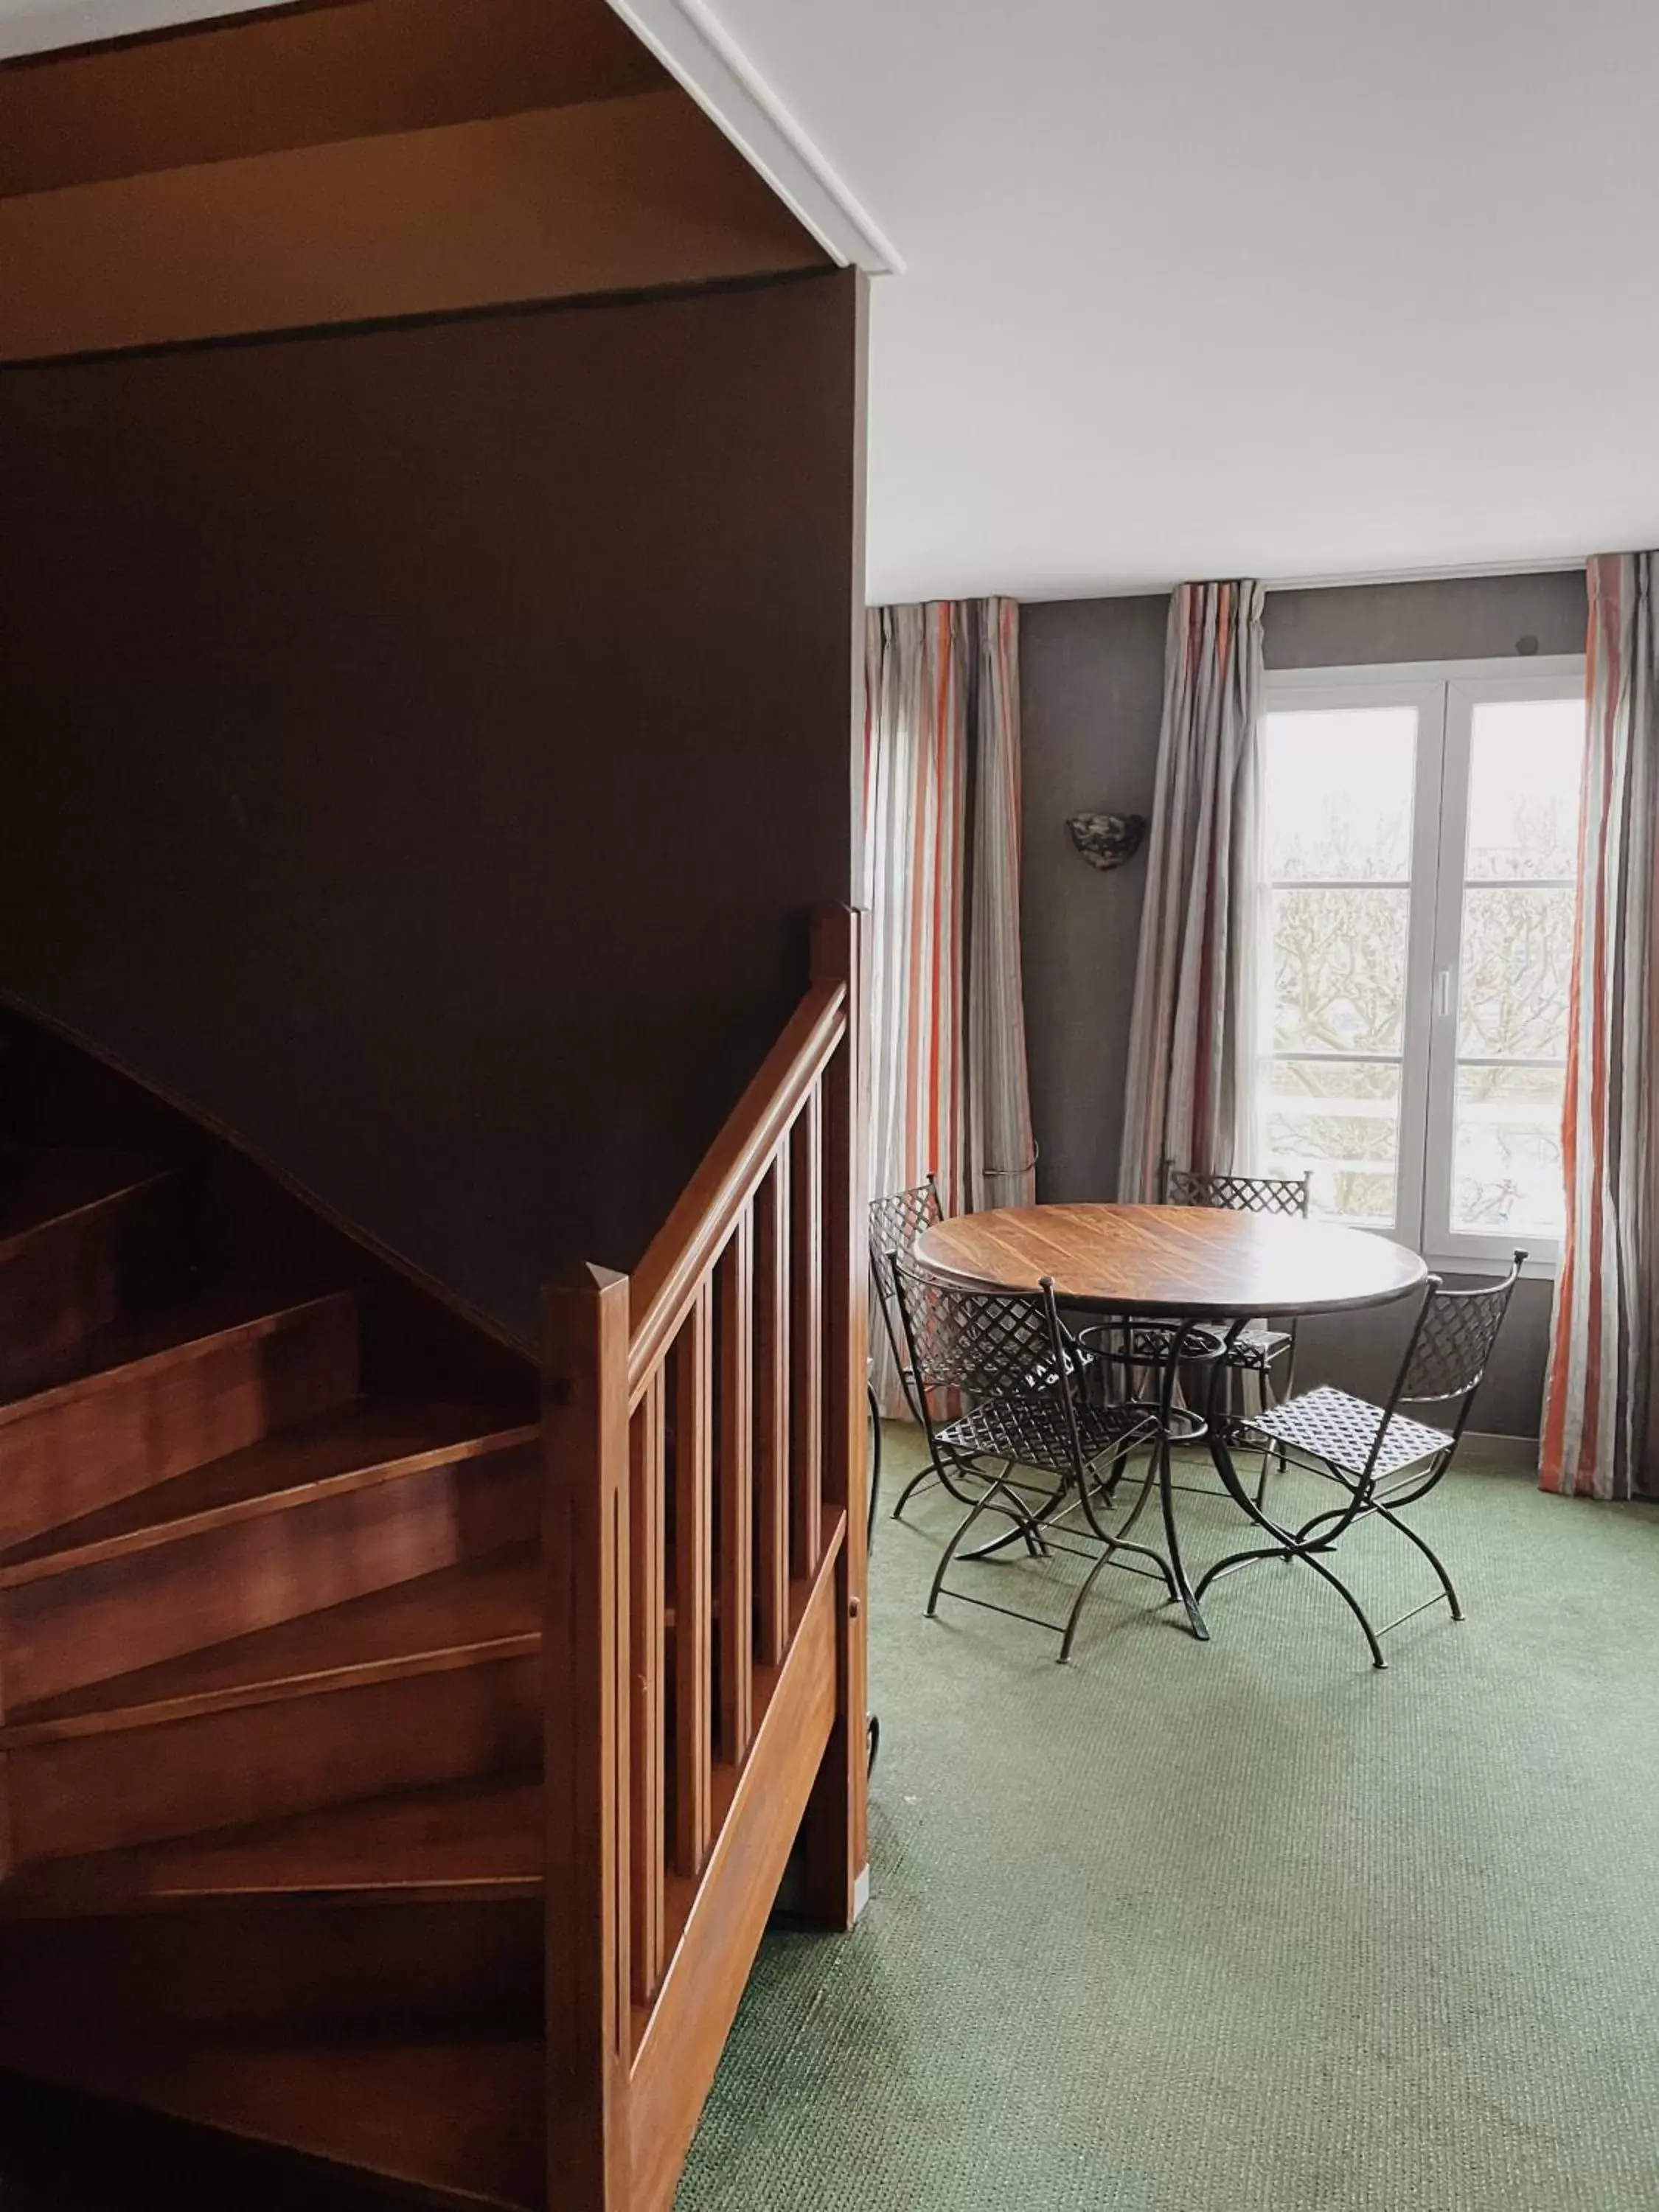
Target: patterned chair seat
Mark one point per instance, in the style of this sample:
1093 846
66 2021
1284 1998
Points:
1253 1349
1331 1425
1033 1432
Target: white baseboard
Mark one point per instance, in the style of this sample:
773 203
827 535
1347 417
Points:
1521 1448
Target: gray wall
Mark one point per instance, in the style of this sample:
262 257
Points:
1091 688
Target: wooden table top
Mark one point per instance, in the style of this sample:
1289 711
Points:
1199 1261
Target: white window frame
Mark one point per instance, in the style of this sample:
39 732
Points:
1444 694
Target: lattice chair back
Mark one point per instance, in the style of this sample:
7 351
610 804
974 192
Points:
1234 1193
1454 1338
896 1223
1004 1345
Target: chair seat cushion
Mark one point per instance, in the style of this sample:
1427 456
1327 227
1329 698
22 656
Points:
1032 1430
1331 1425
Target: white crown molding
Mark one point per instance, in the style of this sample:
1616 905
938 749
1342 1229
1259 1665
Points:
697 50
35 27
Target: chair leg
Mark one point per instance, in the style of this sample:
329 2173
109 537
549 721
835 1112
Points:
1114 1545
1429 1553
1297 1549
1014 1507
1028 1528
922 1474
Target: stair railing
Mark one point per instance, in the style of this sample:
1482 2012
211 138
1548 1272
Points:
704 1637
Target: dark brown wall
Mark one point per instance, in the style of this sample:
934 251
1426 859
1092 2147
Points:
1091 689
423 743
252 84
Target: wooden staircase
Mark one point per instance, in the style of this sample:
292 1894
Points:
269 1650
277 1570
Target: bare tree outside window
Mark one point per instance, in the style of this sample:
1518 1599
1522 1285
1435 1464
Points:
1342 786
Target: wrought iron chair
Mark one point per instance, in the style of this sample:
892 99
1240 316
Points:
1019 1375
1250 1351
1382 1459
895 1222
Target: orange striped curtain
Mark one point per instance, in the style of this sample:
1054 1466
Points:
1186 1096
1601 1401
948 1086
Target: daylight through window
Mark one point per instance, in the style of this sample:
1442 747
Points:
1420 835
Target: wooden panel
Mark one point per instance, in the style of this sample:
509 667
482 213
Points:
648 1719
587 1571
303 78
78 1233
772 1425
345 1967
481 1837
109 1435
98 1792
694 1590
734 1448
232 1577
681 2045
197 545
622 195
806 1339
1182 1260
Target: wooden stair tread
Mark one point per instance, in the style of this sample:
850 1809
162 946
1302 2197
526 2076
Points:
366 1441
57 1185
482 1610
245 1308
482 1836
464 2116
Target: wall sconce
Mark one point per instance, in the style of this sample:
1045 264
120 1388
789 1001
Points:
1107 841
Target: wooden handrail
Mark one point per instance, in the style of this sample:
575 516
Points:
681 1254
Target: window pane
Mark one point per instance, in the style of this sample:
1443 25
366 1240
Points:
1506 1171
1340 1120
1524 766
1339 970
1517 956
1339 792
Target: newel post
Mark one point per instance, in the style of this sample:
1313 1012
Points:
836 1830
585 1703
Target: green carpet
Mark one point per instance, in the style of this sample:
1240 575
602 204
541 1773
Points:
1209 1929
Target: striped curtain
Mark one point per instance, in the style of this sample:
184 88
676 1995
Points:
948 1088
1601 1401
1192 1038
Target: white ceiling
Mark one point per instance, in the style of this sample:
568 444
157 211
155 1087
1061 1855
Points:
1295 288
1298 289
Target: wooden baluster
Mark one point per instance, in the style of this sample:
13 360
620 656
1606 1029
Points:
694 1574
735 1291
648 1613
585 1656
806 1351
837 1844
772 1405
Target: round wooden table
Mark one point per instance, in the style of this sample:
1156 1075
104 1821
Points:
1185 1264
1202 1262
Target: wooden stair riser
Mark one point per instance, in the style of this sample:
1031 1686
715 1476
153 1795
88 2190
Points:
67 1278
460 2119
300 1966
309 1747
84 1447
321 1548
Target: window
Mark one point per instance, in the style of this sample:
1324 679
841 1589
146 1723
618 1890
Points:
1420 831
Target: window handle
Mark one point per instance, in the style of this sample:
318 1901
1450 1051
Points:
1443 993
